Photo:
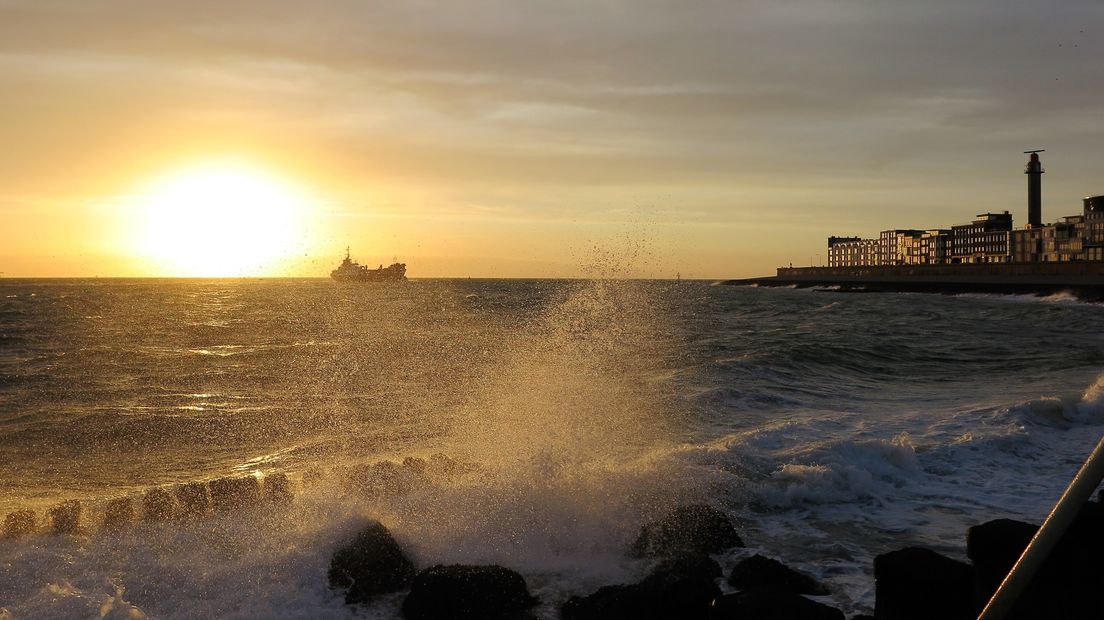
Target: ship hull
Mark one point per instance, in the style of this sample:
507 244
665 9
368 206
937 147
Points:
367 277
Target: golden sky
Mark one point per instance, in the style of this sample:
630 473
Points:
526 139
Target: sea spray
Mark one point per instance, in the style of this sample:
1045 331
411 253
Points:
565 430
779 410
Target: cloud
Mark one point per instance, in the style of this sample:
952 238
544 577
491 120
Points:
702 104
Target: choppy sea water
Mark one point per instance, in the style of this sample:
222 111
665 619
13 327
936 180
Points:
831 427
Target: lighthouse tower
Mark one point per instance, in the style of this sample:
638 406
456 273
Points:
1034 172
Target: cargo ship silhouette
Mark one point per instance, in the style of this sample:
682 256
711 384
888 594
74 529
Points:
352 271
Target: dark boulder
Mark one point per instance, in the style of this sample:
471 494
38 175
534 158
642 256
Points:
919 584
693 529
415 465
19 524
460 592
194 500
762 571
994 547
65 518
372 564
234 493
118 512
378 480
620 602
157 505
770 603
682 587
443 467
277 489
1067 584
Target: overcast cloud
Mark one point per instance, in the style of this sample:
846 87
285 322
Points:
847 111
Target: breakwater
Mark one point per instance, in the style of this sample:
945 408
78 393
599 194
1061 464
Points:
1085 280
694 561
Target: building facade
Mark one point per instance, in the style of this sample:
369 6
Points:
985 240
990 238
852 252
936 247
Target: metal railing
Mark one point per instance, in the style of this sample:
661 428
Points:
1065 511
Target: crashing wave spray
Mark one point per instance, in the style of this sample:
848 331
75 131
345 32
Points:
566 430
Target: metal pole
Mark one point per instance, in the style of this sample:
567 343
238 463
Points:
1077 493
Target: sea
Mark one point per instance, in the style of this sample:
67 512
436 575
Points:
830 427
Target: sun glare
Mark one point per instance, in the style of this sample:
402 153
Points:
221 220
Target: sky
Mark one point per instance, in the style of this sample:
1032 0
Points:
518 138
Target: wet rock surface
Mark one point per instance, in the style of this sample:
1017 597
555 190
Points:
692 529
234 493
65 518
681 587
771 603
118 512
371 564
194 499
917 583
158 505
19 524
758 571
277 490
1067 585
463 592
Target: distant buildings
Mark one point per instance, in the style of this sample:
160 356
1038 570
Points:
990 238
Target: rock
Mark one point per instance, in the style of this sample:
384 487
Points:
380 479
762 571
697 528
118 512
1068 583
460 592
620 602
194 500
416 466
65 517
277 489
19 524
993 548
682 587
771 603
234 493
443 467
372 564
157 505
390 479
920 584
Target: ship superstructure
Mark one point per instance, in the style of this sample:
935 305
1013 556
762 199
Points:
351 271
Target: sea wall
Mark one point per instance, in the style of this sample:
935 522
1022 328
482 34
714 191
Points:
1072 274
1084 280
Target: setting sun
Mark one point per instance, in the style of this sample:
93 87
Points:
220 220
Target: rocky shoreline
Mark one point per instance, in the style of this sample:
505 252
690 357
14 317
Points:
684 580
912 583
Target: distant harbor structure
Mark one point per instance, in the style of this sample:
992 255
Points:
988 255
989 238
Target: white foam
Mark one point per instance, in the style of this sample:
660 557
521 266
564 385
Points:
115 608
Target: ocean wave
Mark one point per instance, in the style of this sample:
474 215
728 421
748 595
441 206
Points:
842 472
1064 297
1086 408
